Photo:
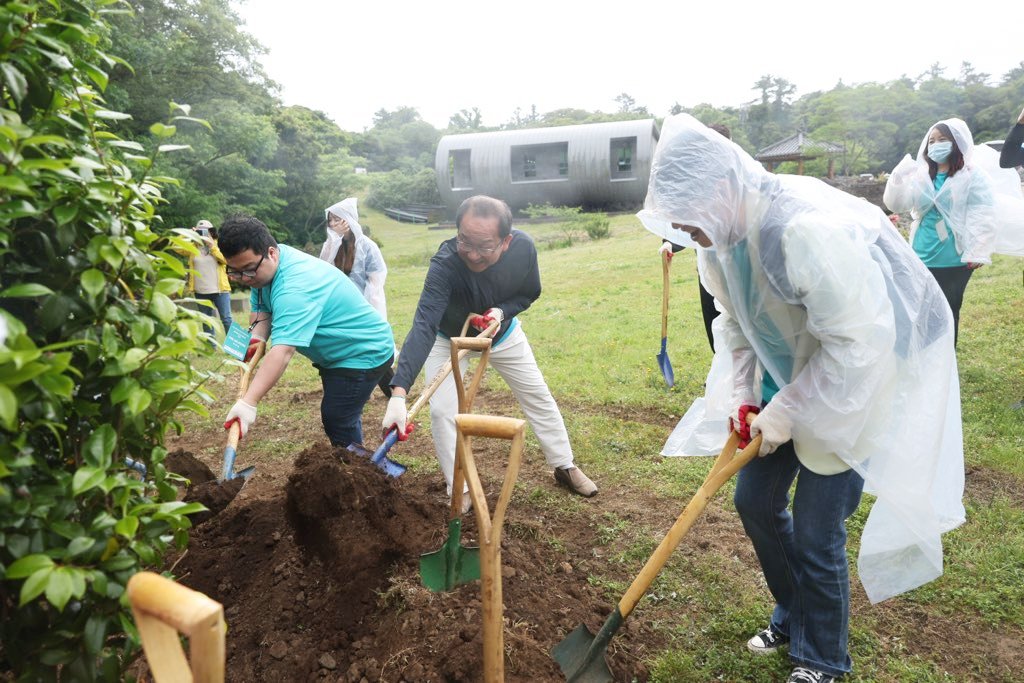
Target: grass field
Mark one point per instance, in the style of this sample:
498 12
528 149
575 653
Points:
596 331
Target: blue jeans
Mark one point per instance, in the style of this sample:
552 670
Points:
803 554
222 303
345 393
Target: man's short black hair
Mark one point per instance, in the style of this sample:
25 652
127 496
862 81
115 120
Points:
487 207
239 233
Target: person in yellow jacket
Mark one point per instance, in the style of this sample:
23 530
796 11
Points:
208 277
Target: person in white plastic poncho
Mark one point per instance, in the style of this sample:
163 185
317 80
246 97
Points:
964 208
838 333
359 257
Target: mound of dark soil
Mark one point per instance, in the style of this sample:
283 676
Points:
321 581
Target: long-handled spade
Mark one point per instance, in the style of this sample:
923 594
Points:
663 362
235 432
581 654
452 564
380 457
513 430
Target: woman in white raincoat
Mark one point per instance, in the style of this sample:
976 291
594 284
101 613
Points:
359 258
837 330
952 204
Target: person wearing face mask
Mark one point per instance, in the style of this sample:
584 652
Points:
952 206
358 257
841 343
490 269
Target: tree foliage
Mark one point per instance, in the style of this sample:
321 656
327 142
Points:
96 357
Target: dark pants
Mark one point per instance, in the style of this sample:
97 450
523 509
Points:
803 553
345 393
708 311
385 381
222 305
953 282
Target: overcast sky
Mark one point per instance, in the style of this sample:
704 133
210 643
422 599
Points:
352 58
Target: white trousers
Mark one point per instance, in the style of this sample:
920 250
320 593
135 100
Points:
513 359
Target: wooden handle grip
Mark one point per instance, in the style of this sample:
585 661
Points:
176 605
489 426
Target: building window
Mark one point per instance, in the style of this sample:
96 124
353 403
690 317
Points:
459 175
622 152
534 163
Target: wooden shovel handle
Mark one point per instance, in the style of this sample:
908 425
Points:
235 432
508 428
728 463
664 294
446 369
162 610
465 396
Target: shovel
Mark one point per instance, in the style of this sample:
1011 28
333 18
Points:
452 565
663 362
513 430
164 609
235 432
379 456
581 654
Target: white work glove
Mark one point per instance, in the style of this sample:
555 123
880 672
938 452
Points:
666 248
775 429
244 413
396 416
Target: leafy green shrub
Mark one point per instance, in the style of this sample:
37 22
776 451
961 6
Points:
573 222
96 355
397 188
596 225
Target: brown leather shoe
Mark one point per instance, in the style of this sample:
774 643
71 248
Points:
577 482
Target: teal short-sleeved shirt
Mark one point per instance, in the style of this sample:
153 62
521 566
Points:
935 253
319 311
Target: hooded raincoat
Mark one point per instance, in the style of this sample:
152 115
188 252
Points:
981 205
824 300
368 268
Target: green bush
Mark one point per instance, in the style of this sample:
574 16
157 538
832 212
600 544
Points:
596 225
573 222
95 353
397 188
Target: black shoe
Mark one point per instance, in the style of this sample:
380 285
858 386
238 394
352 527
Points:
767 641
802 674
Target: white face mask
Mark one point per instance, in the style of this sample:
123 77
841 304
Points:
939 151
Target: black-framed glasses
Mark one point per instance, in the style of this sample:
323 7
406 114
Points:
483 251
247 273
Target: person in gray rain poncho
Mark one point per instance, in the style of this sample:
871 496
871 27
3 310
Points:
841 338
359 257
964 208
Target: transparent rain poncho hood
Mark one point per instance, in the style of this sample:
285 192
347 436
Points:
818 289
368 268
981 205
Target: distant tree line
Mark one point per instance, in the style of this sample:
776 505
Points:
287 163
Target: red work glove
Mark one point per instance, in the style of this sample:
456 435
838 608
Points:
482 322
404 436
253 343
739 422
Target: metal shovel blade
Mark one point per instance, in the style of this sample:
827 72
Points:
228 471
665 364
580 659
379 456
452 565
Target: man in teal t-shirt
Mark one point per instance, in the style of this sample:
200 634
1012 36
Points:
304 304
